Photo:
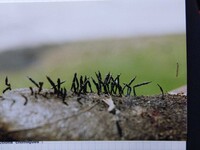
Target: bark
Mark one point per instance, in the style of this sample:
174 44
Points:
44 116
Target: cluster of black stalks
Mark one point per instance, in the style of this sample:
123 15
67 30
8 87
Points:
108 85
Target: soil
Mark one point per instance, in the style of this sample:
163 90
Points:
44 116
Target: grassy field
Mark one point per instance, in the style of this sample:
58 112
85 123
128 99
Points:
149 58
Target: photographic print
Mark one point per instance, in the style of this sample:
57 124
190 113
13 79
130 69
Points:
93 70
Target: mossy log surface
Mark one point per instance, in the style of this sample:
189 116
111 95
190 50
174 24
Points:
44 116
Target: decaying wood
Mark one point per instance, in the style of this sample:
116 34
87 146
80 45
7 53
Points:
44 116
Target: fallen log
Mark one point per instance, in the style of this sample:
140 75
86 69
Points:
29 115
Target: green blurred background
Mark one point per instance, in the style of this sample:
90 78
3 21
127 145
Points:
151 58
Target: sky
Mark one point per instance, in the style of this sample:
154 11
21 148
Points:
35 24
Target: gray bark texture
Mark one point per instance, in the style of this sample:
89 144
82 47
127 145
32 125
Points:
44 116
